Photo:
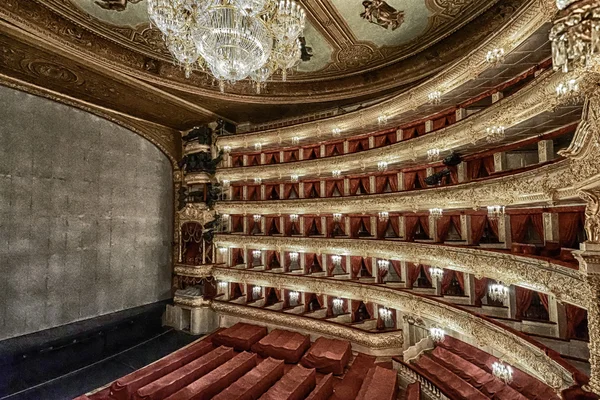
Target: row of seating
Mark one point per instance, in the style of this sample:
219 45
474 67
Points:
208 369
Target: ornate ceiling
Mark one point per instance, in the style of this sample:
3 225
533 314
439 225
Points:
351 57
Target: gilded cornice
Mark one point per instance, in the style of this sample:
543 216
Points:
529 102
515 348
200 271
167 140
529 20
191 301
378 341
565 283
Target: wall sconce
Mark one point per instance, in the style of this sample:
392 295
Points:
256 254
257 217
258 181
336 260
383 216
258 146
294 178
256 291
436 212
436 273
336 173
295 140
383 265
498 292
294 257
433 154
338 306
495 133
437 334
502 371
495 212
294 297
294 217
226 149
337 217
435 97
382 119
382 166
495 56
222 250
336 131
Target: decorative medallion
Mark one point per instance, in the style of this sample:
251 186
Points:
380 13
115 5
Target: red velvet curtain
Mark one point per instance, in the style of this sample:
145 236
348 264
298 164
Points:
287 189
443 226
290 155
397 267
237 256
356 265
575 316
523 297
424 221
272 158
410 224
382 181
478 223
354 145
355 225
409 180
538 224
272 255
488 164
273 221
308 222
332 184
308 188
272 192
518 223
473 167
383 225
569 223
236 192
481 287
237 223
421 175
413 273
409 133
253 193
311 153
447 279
355 183
385 140
544 300
332 149
254 159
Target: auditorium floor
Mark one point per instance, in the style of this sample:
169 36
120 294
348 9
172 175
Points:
103 372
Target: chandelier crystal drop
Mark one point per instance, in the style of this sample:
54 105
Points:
383 265
232 39
293 256
433 154
337 217
256 254
257 217
495 133
382 166
294 297
336 131
436 212
336 260
575 35
383 216
294 217
495 212
435 97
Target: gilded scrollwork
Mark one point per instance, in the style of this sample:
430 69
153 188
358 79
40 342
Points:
515 349
565 283
389 340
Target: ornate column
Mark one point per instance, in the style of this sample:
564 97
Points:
589 265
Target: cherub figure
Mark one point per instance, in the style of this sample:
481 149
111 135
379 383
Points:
115 5
380 13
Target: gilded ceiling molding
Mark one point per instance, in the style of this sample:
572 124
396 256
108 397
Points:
530 19
516 350
167 140
536 98
565 283
377 341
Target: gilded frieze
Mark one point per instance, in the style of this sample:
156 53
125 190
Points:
565 283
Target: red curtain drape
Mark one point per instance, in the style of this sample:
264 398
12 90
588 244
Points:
481 287
410 224
478 223
544 299
569 223
518 222
443 226
382 181
355 225
413 273
409 133
421 175
523 297
272 158
272 259
538 224
473 167
287 189
308 222
447 279
290 155
355 264
311 153
382 226
409 180
355 145
355 183
236 192
334 149
237 256
397 267
488 164
253 193
332 185
385 140
272 221
575 316
309 186
424 221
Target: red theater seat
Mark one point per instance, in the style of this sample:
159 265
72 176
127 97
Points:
240 336
524 383
217 380
480 379
295 385
283 345
125 387
328 355
380 383
323 390
256 382
185 375
446 380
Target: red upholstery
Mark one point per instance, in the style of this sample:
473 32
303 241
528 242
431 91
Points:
522 382
323 390
82 397
295 385
185 375
240 336
380 383
446 380
413 391
256 382
125 387
480 379
217 380
283 345
328 355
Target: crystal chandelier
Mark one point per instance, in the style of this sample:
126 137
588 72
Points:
495 56
294 257
336 260
338 306
336 131
383 216
433 154
256 254
435 97
383 265
382 119
495 212
222 250
227 149
436 212
295 140
568 92
382 166
222 285
436 273
502 371
336 173
385 314
294 217
337 217
437 334
233 39
498 292
294 297
258 181
575 35
294 178
256 291
257 217
495 133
